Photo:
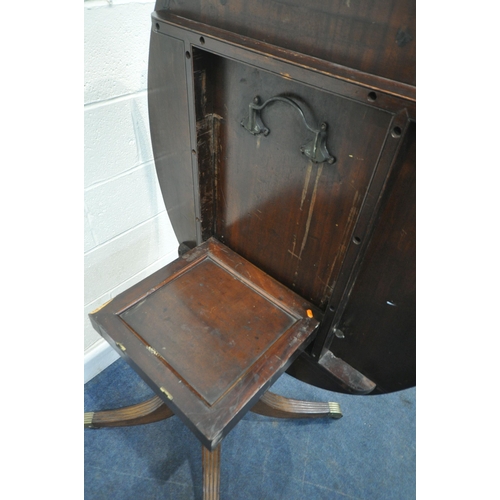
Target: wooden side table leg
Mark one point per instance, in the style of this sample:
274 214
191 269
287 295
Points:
211 473
152 410
273 405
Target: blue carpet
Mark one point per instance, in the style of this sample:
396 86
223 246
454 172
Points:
368 454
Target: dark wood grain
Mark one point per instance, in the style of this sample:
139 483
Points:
379 321
209 333
362 231
276 406
211 473
185 321
365 87
152 410
272 204
373 36
170 132
207 137
308 226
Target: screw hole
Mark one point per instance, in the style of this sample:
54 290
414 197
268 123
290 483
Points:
356 240
396 132
193 151
372 96
188 55
202 40
157 26
339 333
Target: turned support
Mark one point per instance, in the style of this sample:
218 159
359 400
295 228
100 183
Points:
152 410
211 473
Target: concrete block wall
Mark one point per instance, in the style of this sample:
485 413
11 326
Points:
127 231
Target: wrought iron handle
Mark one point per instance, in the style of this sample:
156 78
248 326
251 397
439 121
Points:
314 149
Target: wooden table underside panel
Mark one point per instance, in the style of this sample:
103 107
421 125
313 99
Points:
210 333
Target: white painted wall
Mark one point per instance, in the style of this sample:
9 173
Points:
127 231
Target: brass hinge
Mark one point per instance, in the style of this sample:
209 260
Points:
121 346
169 396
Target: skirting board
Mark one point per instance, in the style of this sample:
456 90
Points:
97 358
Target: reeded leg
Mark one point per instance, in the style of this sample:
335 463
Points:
152 410
273 405
211 473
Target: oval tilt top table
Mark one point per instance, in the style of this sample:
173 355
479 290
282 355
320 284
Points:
284 142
